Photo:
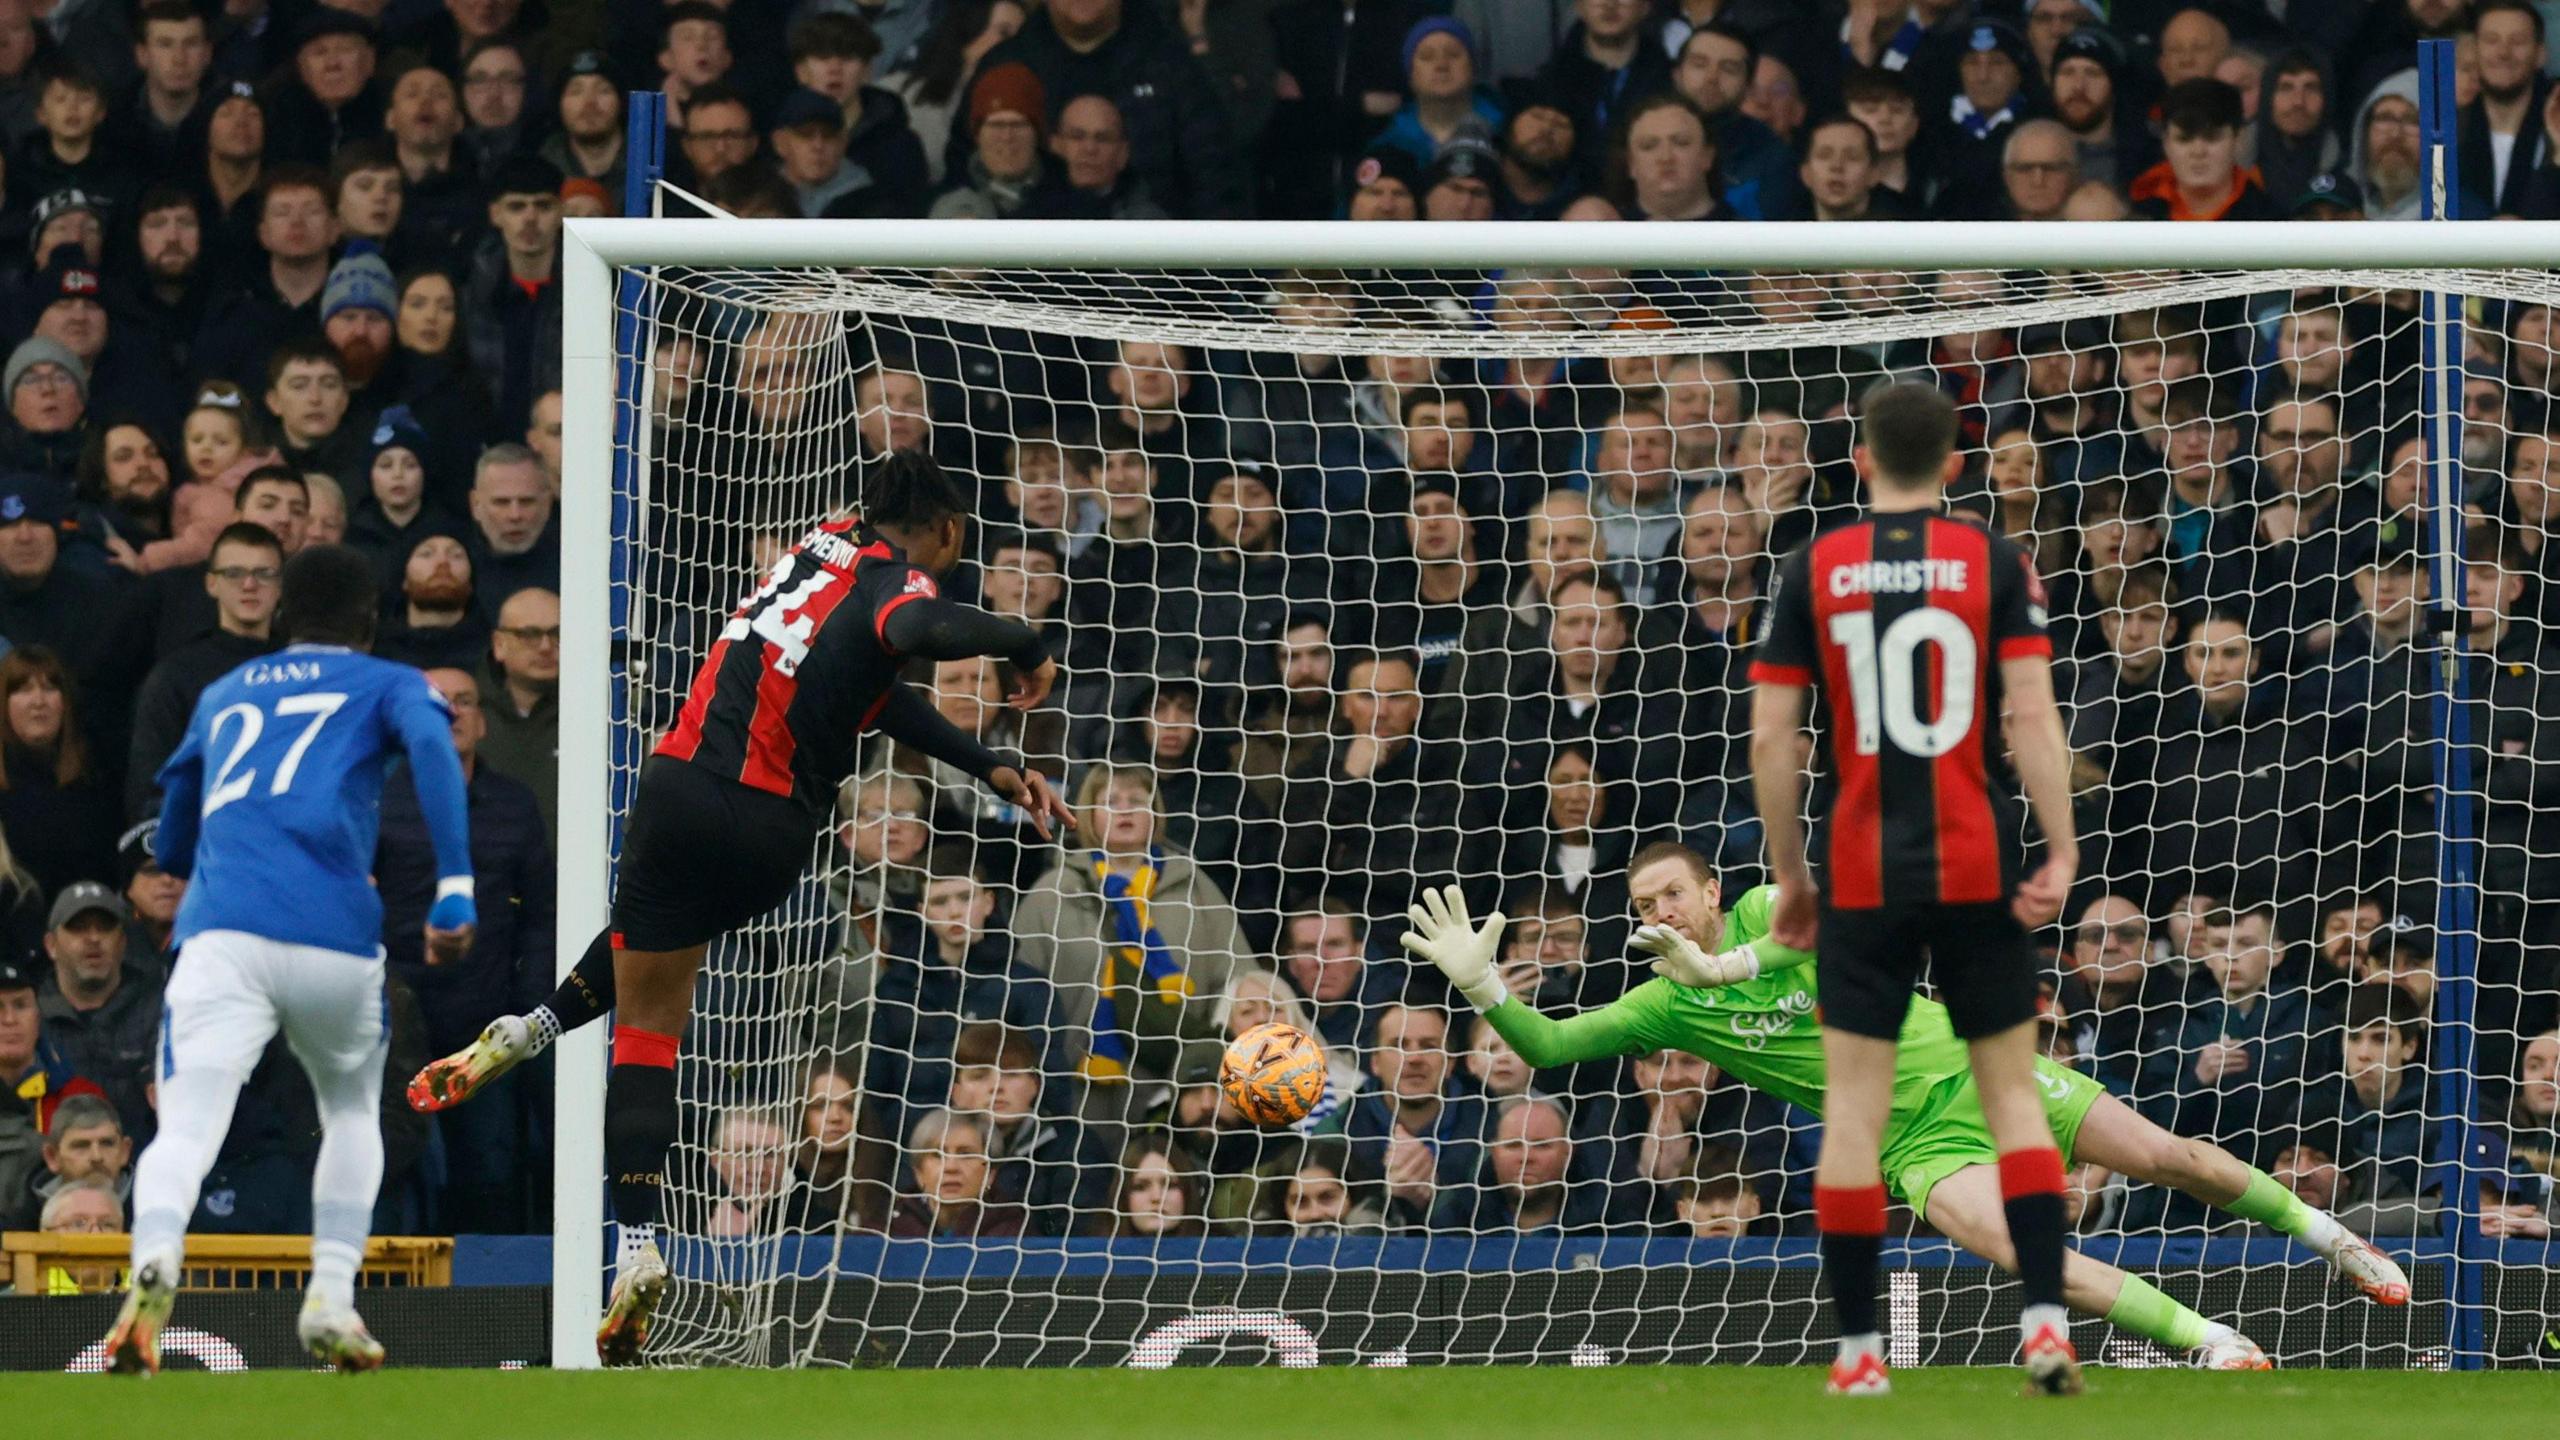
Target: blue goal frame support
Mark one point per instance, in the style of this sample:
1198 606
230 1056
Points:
644 165
2457 917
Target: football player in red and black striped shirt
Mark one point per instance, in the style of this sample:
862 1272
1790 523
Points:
729 809
1914 632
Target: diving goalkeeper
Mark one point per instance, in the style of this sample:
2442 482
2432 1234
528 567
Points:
1739 1000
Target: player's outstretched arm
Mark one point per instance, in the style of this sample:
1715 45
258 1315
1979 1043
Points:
933 628
906 718
1444 934
425 727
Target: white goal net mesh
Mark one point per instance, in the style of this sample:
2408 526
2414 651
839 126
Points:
1367 581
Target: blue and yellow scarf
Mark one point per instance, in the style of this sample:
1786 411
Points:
1137 953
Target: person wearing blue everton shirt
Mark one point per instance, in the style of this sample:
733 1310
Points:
272 804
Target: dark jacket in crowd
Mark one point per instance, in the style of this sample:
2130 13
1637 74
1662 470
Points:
168 700
919 1002
515 338
61 833
113 1046
1369 841
509 968
1180 141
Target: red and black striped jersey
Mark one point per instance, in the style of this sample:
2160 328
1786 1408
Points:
1899 623
802 668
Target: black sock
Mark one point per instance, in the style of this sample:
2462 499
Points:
639 1130
1849 1264
587 994
2035 1232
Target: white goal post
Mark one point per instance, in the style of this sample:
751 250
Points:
598 365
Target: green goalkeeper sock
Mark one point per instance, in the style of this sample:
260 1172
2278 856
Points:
2268 1202
2142 1309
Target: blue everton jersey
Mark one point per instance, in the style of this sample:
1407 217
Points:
274 797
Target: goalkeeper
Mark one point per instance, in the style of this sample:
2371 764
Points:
1746 1004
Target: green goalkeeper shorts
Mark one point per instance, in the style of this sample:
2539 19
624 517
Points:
1950 1131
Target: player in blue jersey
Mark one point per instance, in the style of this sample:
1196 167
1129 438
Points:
272 802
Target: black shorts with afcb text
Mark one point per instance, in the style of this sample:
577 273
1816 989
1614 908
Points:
1978 955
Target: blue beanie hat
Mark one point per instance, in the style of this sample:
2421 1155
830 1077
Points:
1436 25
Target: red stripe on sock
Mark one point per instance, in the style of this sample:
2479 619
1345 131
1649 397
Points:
643 1047
1847 1210
2030 1172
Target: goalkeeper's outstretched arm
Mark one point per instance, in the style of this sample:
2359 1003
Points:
1445 935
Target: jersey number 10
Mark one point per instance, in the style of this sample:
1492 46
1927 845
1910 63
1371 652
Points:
1883 686
319 705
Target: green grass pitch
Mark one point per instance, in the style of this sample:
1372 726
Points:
1325 1404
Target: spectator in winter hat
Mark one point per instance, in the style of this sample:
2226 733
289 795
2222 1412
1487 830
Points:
588 142
70 215
332 97
584 199
394 507
67 303
808 138
2329 195
235 149
1538 174
1386 185
2086 82
48 391
435 624
1459 185
1445 103
355 316
1008 113
2294 137
1993 95
45 606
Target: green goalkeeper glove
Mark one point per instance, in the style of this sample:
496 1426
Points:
1443 934
1678 959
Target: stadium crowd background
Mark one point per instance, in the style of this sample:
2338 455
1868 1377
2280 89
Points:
277 274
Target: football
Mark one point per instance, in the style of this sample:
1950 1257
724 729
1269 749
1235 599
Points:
1274 1073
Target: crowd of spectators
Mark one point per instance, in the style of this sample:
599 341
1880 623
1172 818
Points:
1335 624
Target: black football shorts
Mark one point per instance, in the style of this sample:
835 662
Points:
702 856
1978 955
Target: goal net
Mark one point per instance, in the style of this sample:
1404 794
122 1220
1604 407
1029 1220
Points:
1364 579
